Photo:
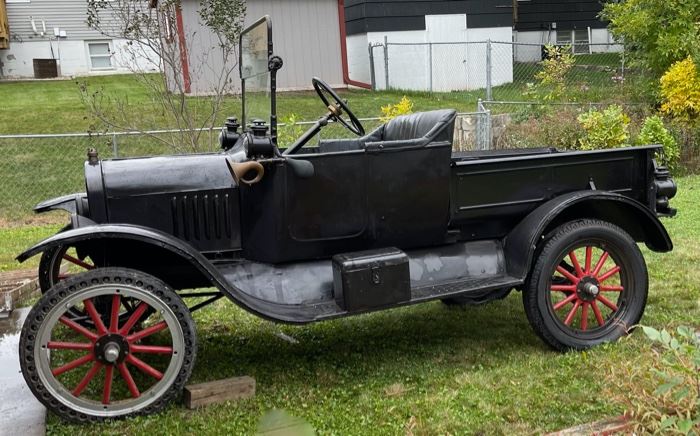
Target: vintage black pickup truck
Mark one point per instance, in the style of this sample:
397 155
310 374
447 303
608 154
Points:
320 231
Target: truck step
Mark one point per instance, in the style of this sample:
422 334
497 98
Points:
443 290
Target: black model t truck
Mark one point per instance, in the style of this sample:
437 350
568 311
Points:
326 230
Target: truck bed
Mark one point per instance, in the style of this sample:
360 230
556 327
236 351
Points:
492 190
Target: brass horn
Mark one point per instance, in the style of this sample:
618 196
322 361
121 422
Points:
240 169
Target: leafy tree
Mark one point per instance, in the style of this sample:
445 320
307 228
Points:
656 32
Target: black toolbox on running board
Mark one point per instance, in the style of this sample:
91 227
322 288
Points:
370 279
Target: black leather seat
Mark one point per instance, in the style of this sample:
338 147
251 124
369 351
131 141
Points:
416 129
434 125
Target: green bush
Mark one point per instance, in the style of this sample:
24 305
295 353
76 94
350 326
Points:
654 132
656 32
555 68
604 129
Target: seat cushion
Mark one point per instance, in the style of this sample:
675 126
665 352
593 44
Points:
436 125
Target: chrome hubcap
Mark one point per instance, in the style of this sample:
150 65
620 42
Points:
111 353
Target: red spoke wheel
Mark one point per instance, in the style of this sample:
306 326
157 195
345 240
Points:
60 263
588 286
63 262
105 370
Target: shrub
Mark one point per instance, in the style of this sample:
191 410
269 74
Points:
552 76
680 91
604 129
654 132
674 405
391 111
290 131
558 128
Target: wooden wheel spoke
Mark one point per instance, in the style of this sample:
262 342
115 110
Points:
584 316
612 288
144 367
572 313
575 263
87 379
589 259
565 301
597 313
572 278
94 316
130 383
53 345
107 390
151 349
609 274
76 261
114 315
564 288
72 365
134 318
78 328
608 303
600 263
147 332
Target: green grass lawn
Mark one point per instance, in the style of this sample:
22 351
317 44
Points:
427 369
56 107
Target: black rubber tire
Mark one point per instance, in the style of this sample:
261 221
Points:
536 295
66 288
47 268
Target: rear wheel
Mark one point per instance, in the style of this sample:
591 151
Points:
106 370
588 286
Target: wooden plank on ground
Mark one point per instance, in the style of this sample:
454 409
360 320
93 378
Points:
219 391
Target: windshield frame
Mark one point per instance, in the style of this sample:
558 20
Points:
272 72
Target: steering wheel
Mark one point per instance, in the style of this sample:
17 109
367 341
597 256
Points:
337 107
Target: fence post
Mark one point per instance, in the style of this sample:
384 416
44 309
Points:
488 69
115 146
430 60
386 62
372 78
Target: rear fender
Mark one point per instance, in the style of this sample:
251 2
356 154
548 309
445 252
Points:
630 215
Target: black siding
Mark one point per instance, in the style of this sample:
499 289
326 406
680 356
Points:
362 16
568 14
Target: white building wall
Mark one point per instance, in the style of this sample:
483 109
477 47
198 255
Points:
458 56
72 58
358 57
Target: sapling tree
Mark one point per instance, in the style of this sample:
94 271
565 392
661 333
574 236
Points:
154 49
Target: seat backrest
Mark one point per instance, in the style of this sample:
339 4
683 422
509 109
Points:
432 126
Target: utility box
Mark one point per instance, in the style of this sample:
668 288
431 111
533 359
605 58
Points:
371 279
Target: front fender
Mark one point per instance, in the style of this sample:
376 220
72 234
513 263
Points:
72 203
157 239
632 216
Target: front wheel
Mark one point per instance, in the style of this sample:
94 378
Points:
588 286
106 370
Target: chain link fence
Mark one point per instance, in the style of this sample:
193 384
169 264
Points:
497 71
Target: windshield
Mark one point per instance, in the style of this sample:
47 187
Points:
256 78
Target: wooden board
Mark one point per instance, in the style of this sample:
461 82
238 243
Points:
219 391
14 287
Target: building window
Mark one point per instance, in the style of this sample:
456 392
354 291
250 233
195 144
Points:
578 39
100 55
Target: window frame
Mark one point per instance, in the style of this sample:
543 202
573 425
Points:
90 56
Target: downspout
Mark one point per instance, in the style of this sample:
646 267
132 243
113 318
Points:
344 49
182 42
